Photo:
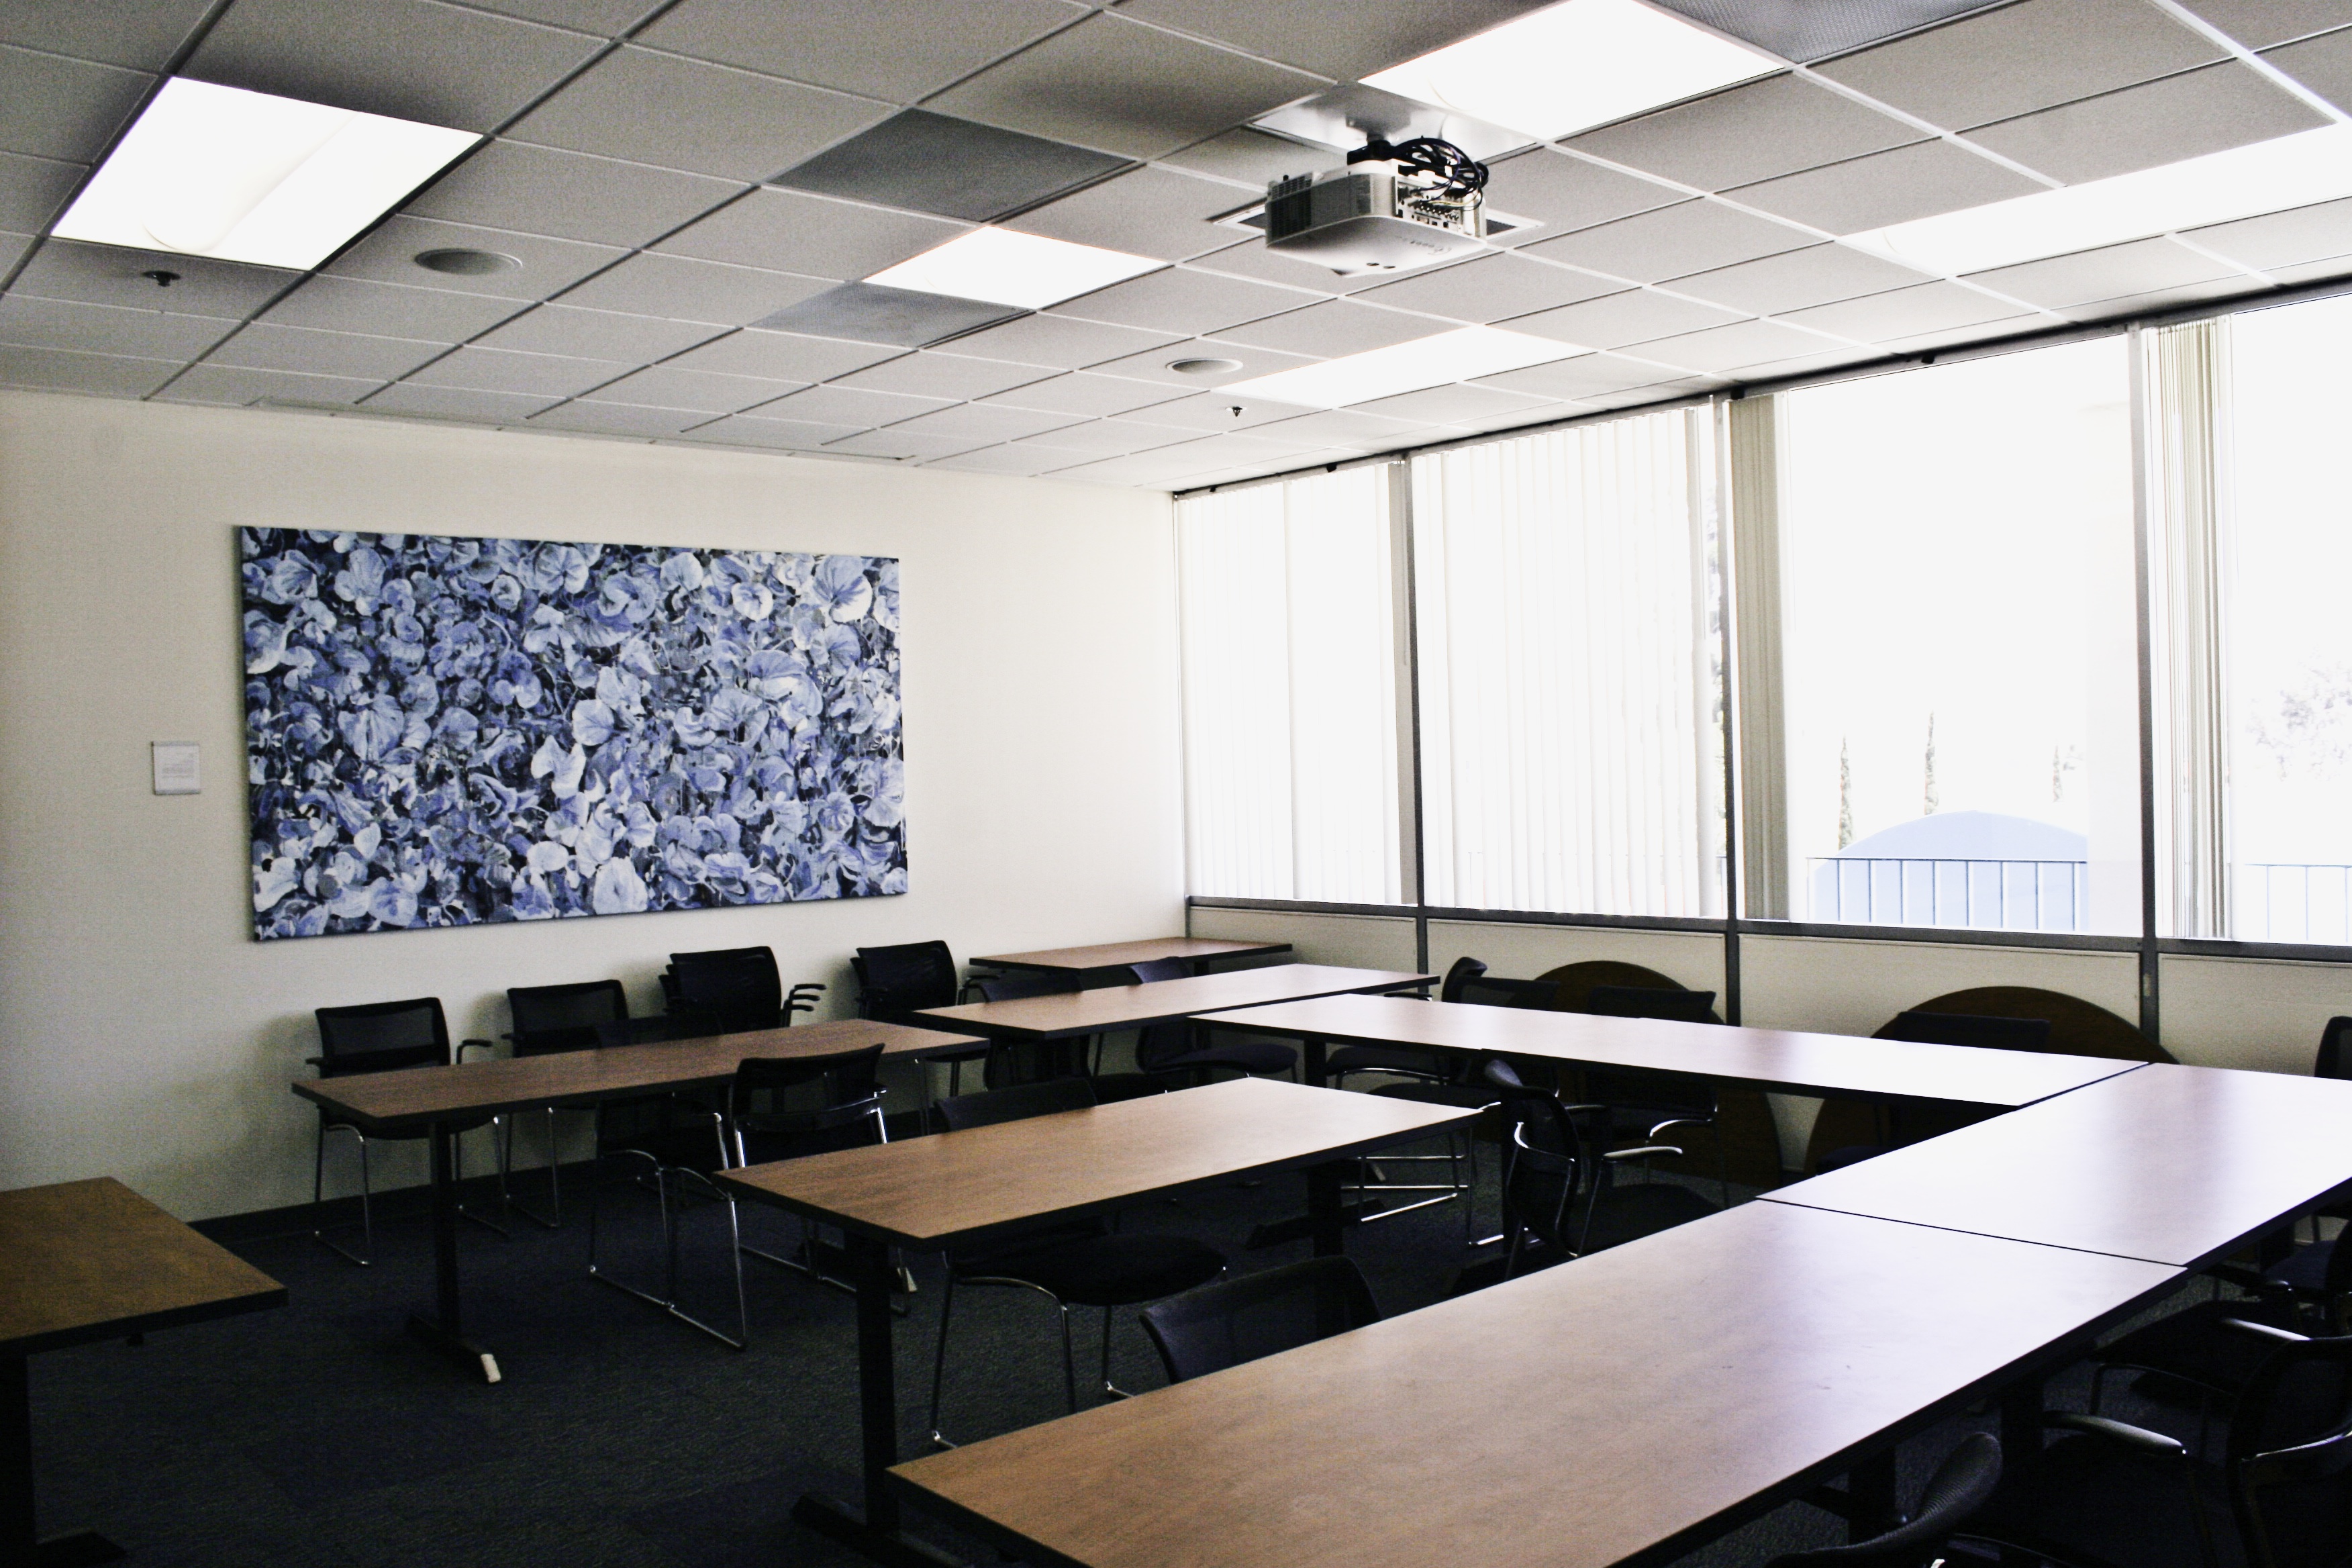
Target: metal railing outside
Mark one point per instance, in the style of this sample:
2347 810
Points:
1998 895
2283 901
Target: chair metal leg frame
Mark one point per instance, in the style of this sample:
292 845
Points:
554 1218
367 1206
1069 1357
671 1228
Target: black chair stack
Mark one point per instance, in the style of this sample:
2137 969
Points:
895 982
731 991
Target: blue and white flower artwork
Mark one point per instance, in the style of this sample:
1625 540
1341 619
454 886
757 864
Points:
455 732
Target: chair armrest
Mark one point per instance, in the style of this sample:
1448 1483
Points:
465 1046
2139 1438
314 1061
2265 1331
1642 1153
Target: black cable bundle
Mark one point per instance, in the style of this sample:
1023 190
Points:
1464 175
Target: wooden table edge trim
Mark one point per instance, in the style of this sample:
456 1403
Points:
149 1322
1404 982
1239 950
2020 1240
1452 1116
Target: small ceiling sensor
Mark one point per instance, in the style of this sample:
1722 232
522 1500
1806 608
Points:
467 263
1204 366
162 276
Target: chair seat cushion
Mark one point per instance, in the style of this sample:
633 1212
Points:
2304 1271
1109 1270
1383 1059
1244 1056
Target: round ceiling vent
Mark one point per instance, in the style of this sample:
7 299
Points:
467 263
1204 366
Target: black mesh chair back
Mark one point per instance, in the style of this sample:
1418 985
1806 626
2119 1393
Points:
1235 1321
893 982
1966 1029
1544 1175
728 991
1658 1095
381 1036
575 1017
1487 991
2334 1060
1959 1487
1651 1002
1153 969
1017 1103
1014 1062
1462 971
1159 1042
2290 1456
784 1106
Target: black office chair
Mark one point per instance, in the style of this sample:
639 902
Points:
1175 1048
1559 1185
895 982
2110 1493
583 1016
1230 1321
1008 1063
788 1108
1083 1263
1915 1124
1648 1106
733 990
1959 1488
1404 1061
384 1036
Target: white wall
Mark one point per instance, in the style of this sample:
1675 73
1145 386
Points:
1522 952
2250 1013
145 1035
1360 942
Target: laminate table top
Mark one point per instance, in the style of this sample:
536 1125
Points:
1115 954
1618 1409
1132 1006
2175 1165
1780 1059
414 1098
923 1193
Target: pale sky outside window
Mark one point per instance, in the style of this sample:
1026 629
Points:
1956 550
2290 660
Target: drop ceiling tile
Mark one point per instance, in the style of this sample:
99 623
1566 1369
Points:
1490 289
2310 271
900 444
504 369
1180 300
1452 405
673 385
704 119
104 275
854 405
618 418
388 255
782 356
650 284
787 231
1983 332
1335 328
389 309
51 107
1236 452
1746 134
2154 299
570 195
955 168
1584 377
1564 192
783 435
985 422
1123 88
1342 41
1807 364
1732 347
598 334
142 35
2162 122
2282 239
1157 364
1616 319
12 246
2259 24
2103 274
2322 65
1804 32
32 190
30 322
1671 242
1904 313
1249 157
1251 259
413 60
944 376
2022 58
605 19
1082 392
1797 279
1641 397
897 50
239 388
873 313
61 370
1220 411
309 352
1885 188
1060 342
1106 439
1144 470
1149 211
1016 462
1346 427
456 403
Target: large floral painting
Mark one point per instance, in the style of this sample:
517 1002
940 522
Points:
455 732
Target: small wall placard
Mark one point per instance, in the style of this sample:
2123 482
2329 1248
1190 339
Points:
176 773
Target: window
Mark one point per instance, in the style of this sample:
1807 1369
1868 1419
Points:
1570 671
1290 690
1956 717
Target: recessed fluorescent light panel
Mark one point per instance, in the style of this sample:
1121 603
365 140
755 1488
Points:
2244 181
249 177
1002 268
1573 65
1436 360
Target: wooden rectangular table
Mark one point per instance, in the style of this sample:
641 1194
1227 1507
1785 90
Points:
1623 1408
1133 1006
925 1193
1779 1059
430 1099
1118 954
2178 1165
81 1261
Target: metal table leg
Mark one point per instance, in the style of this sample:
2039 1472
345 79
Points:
20 1544
444 1330
1312 1053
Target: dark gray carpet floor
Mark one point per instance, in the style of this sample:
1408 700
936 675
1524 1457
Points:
322 1435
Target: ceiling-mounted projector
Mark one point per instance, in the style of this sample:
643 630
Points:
1395 207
